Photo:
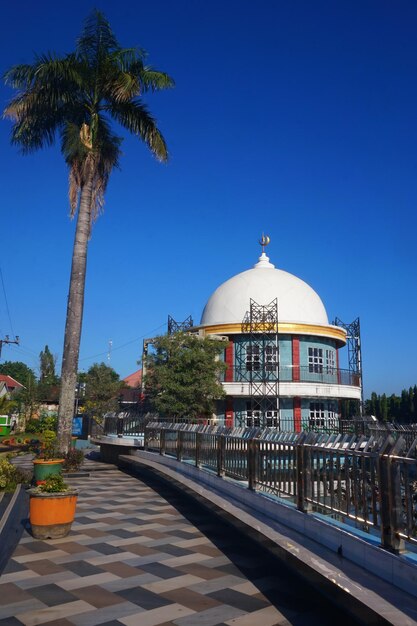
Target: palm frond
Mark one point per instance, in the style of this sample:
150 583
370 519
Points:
135 117
51 86
96 39
154 80
19 76
105 156
35 124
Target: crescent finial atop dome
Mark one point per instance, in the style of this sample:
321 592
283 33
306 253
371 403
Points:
263 260
264 241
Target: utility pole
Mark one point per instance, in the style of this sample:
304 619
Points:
7 340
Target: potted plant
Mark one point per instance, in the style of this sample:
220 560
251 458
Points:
73 460
52 508
49 461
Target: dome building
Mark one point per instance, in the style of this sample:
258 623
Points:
282 353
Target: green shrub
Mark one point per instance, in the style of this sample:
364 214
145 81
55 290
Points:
53 484
49 449
48 422
33 426
11 476
43 423
73 460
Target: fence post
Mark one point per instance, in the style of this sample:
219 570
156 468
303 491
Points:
300 479
221 446
389 475
119 427
162 442
180 442
198 438
303 472
253 457
145 439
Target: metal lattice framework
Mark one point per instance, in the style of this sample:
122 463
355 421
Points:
262 358
353 337
179 327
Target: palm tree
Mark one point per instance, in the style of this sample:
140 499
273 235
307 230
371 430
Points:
77 97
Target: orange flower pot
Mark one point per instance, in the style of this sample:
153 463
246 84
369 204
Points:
51 514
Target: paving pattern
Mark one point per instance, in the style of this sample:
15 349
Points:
140 554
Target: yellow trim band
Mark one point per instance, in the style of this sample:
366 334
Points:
284 328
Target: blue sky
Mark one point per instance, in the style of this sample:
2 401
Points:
294 118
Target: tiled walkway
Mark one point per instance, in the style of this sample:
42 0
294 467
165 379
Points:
140 554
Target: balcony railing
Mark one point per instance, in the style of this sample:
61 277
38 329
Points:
293 373
369 482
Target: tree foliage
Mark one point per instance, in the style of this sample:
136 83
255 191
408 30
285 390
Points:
102 390
19 371
182 378
25 400
47 363
77 97
402 409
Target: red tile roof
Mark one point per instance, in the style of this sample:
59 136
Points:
134 380
11 383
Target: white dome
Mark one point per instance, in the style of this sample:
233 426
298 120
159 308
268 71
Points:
297 301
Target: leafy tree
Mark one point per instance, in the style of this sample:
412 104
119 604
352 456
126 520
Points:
182 377
26 399
102 390
7 406
77 96
47 367
48 380
384 408
415 402
19 371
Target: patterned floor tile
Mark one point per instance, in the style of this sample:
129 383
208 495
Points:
143 598
239 600
152 558
51 595
161 586
82 581
106 614
158 616
11 593
211 617
268 616
97 596
44 616
192 600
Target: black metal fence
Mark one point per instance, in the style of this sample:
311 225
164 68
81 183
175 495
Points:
292 373
126 424
370 482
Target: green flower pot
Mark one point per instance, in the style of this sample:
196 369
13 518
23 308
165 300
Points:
43 468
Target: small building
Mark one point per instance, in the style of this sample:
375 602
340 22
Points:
282 353
9 386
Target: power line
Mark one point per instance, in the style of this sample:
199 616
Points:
123 345
7 304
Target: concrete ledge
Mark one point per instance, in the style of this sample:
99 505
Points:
12 524
112 447
363 595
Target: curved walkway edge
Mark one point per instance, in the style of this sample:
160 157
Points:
363 595
11 526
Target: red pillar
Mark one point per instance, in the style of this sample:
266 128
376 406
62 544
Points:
228 359
295 359
337 366
297 414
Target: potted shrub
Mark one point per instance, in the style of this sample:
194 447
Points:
52 508
73 460
49 461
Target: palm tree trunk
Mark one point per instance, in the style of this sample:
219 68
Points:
75 306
